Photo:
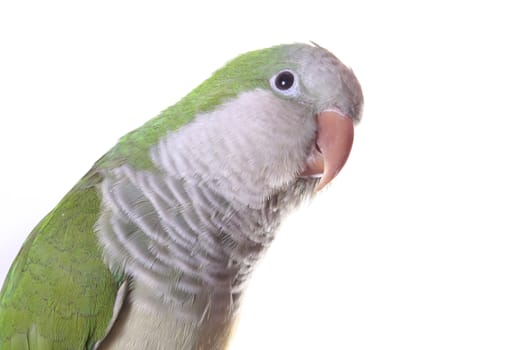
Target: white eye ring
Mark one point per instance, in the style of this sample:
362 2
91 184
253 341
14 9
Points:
286 83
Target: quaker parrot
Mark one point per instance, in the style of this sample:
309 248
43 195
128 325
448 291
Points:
152 248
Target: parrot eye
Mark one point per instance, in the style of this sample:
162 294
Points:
285 82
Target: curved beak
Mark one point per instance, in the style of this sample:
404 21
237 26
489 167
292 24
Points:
335 135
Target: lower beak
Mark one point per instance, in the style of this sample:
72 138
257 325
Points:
335 135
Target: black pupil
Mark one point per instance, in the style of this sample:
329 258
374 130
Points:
284 81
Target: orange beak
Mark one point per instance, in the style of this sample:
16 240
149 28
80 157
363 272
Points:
335 135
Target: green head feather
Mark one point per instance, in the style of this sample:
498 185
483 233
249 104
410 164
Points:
248 71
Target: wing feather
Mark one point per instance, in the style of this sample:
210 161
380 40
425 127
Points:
58 293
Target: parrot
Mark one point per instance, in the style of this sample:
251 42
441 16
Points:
153 247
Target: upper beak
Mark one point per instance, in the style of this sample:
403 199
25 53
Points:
335 135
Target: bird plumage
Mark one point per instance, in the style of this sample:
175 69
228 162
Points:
153 246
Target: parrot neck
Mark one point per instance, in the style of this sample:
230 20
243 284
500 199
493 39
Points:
196 259
190 232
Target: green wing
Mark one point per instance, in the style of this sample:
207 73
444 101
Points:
58 293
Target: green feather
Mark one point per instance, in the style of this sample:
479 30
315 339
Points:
248 72
58 293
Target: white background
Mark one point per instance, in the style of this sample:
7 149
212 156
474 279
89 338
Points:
418 244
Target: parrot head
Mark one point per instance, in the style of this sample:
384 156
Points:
280 115
333 99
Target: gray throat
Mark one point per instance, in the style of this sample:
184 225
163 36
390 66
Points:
187 238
